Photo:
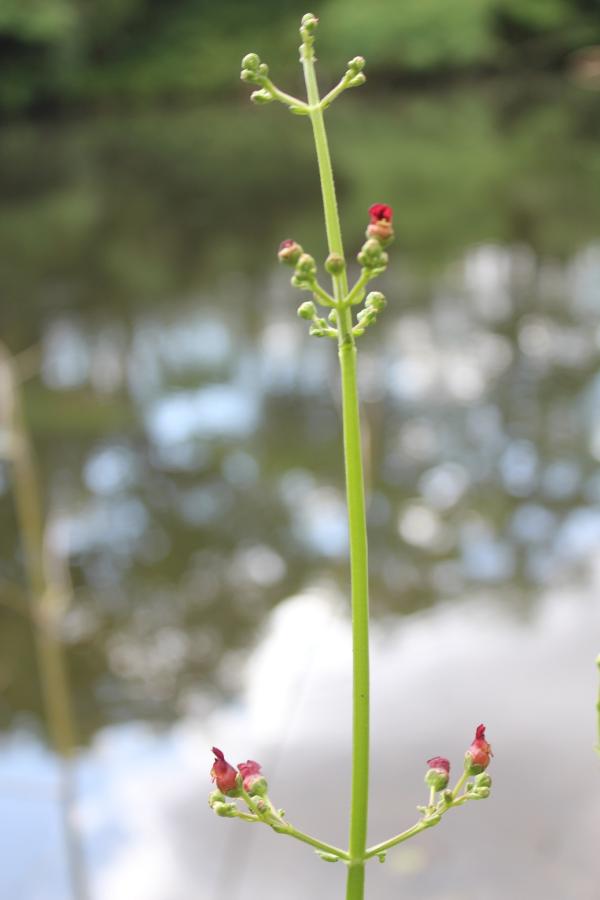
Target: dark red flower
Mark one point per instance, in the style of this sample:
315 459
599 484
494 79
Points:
380 211
223 773
480 751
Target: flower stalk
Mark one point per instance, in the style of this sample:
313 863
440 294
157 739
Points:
345 326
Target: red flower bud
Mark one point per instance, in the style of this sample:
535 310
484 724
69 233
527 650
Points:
479 753
289 252
380 211
438 773
380 225
439 762
250 772
223 773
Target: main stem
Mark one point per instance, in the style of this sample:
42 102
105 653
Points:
355 495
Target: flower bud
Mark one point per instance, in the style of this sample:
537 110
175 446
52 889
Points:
249 76
367 316
253 782
376 300
483 780
333 317
306 265
224 774
307 310
216 797
289 252
261 97
481 793
251 61
380 223
438 773
263 70
354 65
335 264
308 25
372 255
478 755
357 80
227 810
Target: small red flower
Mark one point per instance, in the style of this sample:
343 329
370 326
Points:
380 224
380 211
250 772
439 762
480 751
223 773
438 773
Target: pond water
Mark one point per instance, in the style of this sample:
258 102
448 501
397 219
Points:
187 433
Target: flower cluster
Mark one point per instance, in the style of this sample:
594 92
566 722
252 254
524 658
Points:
232 783
373 260
477 759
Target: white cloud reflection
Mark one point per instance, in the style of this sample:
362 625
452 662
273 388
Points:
149 835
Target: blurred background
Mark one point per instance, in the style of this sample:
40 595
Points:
190 574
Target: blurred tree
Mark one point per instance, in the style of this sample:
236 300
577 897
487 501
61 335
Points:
80 51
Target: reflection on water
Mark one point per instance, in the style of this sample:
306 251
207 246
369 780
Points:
188 435
149 835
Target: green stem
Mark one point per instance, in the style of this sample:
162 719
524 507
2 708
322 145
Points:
398 839
459 784
334 92
271 817
307 839
284 98
355 499
355 295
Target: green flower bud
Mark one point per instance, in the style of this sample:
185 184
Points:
251 61
357 80
307 310
216 797
436 779
354 65
249 77
376 300
308 25
481 793
371 255
306 265
263 70
483 781
335 264
261 97
226 810
333 317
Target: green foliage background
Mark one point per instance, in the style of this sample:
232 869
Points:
82 52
